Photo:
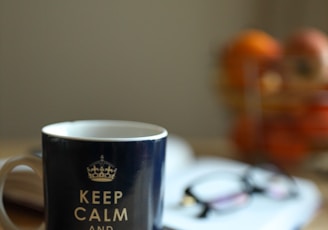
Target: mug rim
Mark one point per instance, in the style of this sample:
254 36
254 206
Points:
145 131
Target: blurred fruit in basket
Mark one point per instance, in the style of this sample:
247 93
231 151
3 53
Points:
244 135
314 122
284 143
278 93
250 52
279 139
306 60
248 60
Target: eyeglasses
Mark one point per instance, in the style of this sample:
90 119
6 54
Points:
223 192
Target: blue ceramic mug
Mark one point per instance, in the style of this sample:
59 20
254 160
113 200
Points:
99 174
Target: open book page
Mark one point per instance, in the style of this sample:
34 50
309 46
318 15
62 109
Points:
259 213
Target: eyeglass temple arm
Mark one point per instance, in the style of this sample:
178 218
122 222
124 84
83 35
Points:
190 197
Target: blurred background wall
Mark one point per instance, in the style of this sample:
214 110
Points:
146 60
280 17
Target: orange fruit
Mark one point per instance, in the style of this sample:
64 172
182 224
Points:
314 122
306 60
249 54
283 141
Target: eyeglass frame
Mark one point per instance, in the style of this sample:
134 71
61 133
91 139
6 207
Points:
247 187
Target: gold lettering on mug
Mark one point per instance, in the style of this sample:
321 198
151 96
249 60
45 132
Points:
77 213
100 197
83 198
104 215
96 197
94 204
117 195
101 228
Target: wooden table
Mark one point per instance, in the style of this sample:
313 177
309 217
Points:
215 146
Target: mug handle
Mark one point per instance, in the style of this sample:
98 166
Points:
36 165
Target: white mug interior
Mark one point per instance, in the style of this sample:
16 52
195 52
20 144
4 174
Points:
105 130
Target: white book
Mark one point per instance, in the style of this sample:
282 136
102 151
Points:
260 213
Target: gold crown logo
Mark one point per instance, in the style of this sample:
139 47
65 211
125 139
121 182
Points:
101 171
